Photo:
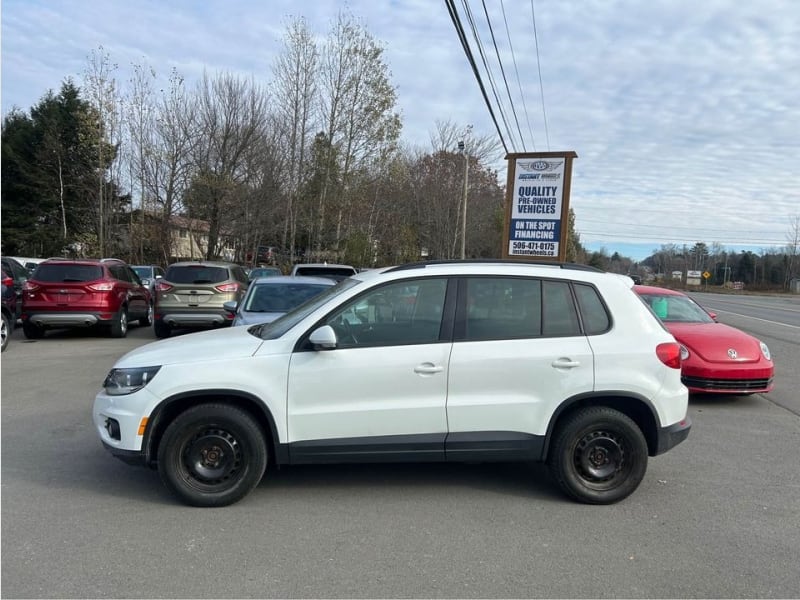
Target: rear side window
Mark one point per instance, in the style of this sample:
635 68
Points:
559 315
66 273
593 311
503 308
196 274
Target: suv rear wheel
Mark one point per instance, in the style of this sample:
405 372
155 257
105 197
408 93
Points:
212 455
599 455
119 324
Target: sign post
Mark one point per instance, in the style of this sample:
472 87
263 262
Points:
537 205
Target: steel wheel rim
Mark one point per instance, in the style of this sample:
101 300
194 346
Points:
601 460
212 458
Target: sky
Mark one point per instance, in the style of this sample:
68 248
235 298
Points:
685 115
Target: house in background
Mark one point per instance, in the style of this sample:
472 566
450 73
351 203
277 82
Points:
189 240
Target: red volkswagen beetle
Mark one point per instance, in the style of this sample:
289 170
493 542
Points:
716 358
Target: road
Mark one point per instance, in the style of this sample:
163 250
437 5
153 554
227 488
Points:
718 516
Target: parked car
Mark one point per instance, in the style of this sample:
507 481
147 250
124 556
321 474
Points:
335 272
9 309
19 275
84 293
257 272
268 298
149 274
30 264
496 361
716 358
192 295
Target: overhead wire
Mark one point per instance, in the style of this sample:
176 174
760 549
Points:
539 68
519 79
489 74
451 8
503 74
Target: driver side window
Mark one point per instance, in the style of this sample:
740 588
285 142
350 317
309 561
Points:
401 313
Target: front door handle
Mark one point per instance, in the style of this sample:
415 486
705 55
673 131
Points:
565 363
428 369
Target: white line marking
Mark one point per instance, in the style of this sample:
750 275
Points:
756 318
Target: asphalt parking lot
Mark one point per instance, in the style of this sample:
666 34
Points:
718 516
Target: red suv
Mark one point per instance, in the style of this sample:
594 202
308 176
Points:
84 293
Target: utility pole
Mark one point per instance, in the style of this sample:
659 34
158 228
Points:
462 146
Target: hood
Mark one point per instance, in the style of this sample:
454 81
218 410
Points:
713 341
202 346
253 318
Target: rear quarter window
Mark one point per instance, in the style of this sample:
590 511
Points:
593 310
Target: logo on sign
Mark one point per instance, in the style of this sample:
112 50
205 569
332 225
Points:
540 165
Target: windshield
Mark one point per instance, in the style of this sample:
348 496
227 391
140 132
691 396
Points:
143 272
275 329
676 309
280 297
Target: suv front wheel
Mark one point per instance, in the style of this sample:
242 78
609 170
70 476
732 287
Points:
212 455
599 455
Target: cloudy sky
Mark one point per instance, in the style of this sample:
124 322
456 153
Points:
685 114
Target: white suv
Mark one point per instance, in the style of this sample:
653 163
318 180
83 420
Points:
439 361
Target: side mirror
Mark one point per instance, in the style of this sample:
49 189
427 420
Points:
713 315
323 338
231 306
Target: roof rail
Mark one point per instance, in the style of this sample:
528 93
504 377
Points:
493 261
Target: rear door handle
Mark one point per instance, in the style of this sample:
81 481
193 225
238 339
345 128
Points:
428 369
565 363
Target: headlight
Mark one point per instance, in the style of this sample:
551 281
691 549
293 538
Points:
765 351
120 382
684 352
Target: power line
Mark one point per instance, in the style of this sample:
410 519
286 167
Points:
541 85
488 70
471 59
519 79
503 73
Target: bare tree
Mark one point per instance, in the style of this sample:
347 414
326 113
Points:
232 118
295 73
101 88
357 103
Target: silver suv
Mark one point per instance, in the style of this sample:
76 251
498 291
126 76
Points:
454 361
192 295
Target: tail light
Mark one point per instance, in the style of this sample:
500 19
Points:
163 287
28 286
669 353
228 287
8 281
105 286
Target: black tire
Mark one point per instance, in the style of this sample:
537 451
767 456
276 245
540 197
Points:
147 320
161 329
119 324
5 333
212 455
598 456
31 331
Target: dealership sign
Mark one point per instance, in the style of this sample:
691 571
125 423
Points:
537 205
